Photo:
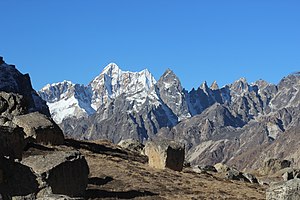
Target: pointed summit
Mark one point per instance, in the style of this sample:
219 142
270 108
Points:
168 73
214 86
169 79
240 86
172 94
242 80
111 68
204 86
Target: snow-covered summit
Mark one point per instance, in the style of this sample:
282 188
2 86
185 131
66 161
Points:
66 99
113 82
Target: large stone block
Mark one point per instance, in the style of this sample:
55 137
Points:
289 190
16 179
11 142
40 127
165 154
60 172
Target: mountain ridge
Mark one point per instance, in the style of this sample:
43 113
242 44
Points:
216 124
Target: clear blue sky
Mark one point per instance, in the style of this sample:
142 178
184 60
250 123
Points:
56 40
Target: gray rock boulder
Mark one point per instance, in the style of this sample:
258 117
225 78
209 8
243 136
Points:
165 154
234 174
208 168
17 179
220 167
11 142
289 190
59 172
40 127
43 175
11 104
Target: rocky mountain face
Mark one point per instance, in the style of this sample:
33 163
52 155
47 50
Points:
12 81
254 124
238 124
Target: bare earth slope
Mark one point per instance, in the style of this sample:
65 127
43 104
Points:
116 173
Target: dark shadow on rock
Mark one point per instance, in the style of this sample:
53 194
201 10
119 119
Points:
102 149
118 195
96 148
32 149
18 179
37 146
100 181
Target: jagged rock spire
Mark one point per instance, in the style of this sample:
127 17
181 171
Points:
214 86
172 94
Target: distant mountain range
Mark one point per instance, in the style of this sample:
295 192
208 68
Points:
237 124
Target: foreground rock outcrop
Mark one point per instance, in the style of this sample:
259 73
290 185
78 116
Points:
20 106
40 127
25 122
18 180
165 154
289 190
11 142
58 172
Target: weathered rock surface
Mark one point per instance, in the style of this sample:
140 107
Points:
234 174
172 94
17 179
165 154
59 172
289 190
291 174
220 167
132 144
273 165
13 81
40 127
11 104
11 142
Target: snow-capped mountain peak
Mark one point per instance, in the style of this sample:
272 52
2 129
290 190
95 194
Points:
111 70
83 100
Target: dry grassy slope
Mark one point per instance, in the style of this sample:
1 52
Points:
120 174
